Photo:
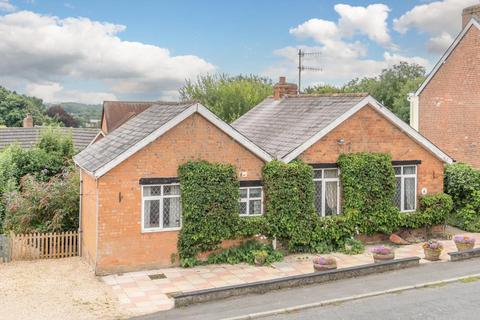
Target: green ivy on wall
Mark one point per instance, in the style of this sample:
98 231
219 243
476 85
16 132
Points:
210 193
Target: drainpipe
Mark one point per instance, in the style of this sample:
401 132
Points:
80 233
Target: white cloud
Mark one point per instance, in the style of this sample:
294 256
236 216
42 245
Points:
437 19
44 50
6 6
55 92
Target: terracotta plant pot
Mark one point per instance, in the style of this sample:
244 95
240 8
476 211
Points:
324 267
432 254
383 257
464 246
324 263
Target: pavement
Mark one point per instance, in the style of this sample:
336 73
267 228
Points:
289 298
138 294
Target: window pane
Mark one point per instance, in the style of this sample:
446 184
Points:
409 201
331 197
397 199
171 190
255 192
171 212
243 193
318 196
398 170
333 173
151 214
152 191
317 174
409 170
255 207
243 208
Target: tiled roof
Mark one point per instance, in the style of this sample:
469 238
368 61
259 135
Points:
27 137
279 126
127 135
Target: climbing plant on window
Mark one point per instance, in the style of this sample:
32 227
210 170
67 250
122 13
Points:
209 193
368 182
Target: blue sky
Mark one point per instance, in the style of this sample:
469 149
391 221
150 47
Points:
93 50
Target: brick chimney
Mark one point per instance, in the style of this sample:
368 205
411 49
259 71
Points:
283 88
470 12
28 121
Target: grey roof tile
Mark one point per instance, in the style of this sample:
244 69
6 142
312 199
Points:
279 126
127 135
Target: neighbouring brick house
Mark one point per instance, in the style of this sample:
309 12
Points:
446 107
130 205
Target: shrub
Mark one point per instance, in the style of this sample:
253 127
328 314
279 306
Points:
210 193
40 206
246 253
461 182
368 182
468 217
290 211
353 246
435 208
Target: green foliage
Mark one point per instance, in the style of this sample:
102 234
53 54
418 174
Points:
228 97
331 233
290 210
353 246
40 206
467 217
368 182
391 87
14 107
210 194
434 209
246 253
250 226
83 113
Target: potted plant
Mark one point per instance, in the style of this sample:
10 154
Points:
382 253
464 242
260 256
432 250
324 263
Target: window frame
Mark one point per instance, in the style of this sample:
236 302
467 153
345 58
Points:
402 176
324 182
247 201
160 228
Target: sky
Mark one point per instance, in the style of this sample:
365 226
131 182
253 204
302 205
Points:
88 51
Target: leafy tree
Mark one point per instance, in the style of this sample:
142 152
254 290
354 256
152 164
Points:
228 97
391 87
57 112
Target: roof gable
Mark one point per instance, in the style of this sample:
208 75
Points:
473 23
146 127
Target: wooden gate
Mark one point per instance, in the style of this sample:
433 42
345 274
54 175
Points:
44 245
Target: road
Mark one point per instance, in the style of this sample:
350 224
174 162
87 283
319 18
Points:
374 308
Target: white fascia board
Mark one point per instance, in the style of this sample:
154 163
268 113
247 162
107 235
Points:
472 22
369 100
147 140
233 133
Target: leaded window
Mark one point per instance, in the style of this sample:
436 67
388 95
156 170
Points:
251 201
406 192
162 209
327 191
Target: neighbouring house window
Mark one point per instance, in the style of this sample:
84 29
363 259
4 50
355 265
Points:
251 201
327 191
162 208
406 193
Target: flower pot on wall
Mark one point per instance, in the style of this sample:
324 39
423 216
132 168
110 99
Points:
464 243
383 257
432 250
324 263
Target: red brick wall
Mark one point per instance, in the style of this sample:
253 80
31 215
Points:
368 131
449 106
121 244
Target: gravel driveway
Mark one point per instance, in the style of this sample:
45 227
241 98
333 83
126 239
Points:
54 289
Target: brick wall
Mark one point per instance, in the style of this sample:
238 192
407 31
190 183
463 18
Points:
449 106
368 131
121 244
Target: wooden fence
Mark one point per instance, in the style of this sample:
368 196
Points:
43 245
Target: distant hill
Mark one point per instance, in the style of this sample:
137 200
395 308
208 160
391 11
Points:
88 115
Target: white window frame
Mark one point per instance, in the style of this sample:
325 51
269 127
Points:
160 228
248 198
324 182
402 185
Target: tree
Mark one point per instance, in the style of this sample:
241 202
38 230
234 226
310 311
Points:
228 97
391 87
57 112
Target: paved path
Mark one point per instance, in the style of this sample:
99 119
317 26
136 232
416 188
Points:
309 294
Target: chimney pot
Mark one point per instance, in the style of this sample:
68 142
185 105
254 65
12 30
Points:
28 121
469 12
282 80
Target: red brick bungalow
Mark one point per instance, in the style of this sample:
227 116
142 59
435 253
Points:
446 107
130 202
